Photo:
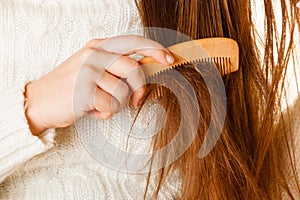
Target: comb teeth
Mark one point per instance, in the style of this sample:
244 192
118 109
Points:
222 63
223 52
202 54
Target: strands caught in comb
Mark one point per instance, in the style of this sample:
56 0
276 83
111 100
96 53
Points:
164 80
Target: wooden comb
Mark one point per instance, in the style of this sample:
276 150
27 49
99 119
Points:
224 52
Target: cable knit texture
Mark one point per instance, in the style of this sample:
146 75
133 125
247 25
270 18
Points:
35 37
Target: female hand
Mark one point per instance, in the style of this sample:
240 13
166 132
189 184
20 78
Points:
97 80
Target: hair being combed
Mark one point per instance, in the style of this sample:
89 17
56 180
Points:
246 163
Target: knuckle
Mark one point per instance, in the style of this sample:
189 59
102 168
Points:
86 53
89 70
115 105
135 75
135 64
135 37
132 63
124 88
123 91
93 42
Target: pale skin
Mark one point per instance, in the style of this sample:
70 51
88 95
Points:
97 80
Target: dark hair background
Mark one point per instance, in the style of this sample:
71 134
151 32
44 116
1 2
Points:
247 161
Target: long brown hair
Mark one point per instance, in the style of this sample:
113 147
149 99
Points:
246 163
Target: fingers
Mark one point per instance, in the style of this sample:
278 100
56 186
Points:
122 67
132 73
104 104
125 45
108 58
115 87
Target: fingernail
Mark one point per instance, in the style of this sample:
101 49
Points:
137 103
298 4
169 58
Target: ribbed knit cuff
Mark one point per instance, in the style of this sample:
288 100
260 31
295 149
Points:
17 144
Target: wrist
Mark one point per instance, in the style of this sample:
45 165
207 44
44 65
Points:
31 114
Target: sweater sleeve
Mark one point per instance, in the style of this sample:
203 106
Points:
17 144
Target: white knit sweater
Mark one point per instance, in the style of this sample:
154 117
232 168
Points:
35 37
